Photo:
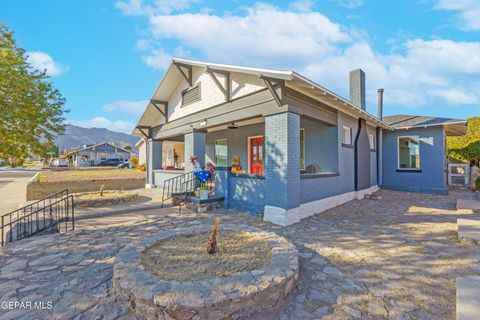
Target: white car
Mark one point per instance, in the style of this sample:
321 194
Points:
60 163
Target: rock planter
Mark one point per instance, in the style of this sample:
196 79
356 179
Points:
111 198
235 297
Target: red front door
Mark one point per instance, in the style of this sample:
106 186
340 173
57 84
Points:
256 155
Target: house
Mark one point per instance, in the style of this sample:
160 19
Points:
142 151
91 155
302 148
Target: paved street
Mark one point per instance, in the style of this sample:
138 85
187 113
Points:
13 185
394 258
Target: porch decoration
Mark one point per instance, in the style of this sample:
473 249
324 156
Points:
236 165
202 176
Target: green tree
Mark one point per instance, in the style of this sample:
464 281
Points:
466 148
31 108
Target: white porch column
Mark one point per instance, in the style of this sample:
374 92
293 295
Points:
154 160
195 146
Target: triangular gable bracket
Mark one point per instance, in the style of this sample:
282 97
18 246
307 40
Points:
227 88
186 71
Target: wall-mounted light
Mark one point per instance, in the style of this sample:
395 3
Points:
203 123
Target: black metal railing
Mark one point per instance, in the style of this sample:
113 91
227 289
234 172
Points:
54 213
175 186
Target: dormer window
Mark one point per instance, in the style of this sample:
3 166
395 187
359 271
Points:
191 95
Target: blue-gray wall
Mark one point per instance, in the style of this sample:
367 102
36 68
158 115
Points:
432 178
241 192
323 187
321 144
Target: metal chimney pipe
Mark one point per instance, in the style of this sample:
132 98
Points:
380 104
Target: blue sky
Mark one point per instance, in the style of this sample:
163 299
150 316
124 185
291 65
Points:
108 56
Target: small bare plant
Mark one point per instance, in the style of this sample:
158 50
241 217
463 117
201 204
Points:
212 241
102 188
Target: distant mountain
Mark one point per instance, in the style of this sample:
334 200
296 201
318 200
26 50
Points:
77 137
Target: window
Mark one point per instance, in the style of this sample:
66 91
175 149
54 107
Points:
347 136
408 153
191 95
302 149
221 157
371 141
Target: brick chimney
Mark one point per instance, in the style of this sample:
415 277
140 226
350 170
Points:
357 88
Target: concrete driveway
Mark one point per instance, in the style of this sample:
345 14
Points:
13 184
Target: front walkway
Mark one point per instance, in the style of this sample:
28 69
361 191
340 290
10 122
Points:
394 258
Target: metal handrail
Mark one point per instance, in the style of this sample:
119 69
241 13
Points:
62 208
190 187
174 185
59 194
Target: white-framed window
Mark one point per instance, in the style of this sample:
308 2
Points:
302 149
371 141
221 153
408 153
347 136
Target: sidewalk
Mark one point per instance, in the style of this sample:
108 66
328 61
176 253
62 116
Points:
13 187
148 199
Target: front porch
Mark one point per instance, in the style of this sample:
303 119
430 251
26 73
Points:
282 157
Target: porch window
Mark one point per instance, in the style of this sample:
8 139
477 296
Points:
371 141
409 153
302 149
221 153
347 136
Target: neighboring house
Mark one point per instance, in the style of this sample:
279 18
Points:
91 155
303 148
142 151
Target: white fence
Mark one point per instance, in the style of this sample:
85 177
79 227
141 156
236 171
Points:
459 174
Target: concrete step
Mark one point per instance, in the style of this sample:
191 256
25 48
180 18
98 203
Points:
468 204
469 230
468 298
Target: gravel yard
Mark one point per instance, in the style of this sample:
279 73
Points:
394 258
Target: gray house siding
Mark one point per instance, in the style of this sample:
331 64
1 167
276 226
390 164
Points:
432 177
323 187
247 194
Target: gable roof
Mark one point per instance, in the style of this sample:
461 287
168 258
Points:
152 116
405 121
99 144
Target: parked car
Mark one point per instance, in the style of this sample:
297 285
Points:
125 165
60 163
51 162
110 162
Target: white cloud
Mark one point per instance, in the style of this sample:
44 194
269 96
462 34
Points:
350 4
265 35
157 59
301 5
101 122
468 12
135 108
416 73
44 62
145 7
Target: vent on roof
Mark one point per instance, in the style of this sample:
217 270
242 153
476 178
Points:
191 95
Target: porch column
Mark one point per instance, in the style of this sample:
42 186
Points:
194 146
282 168
154 160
